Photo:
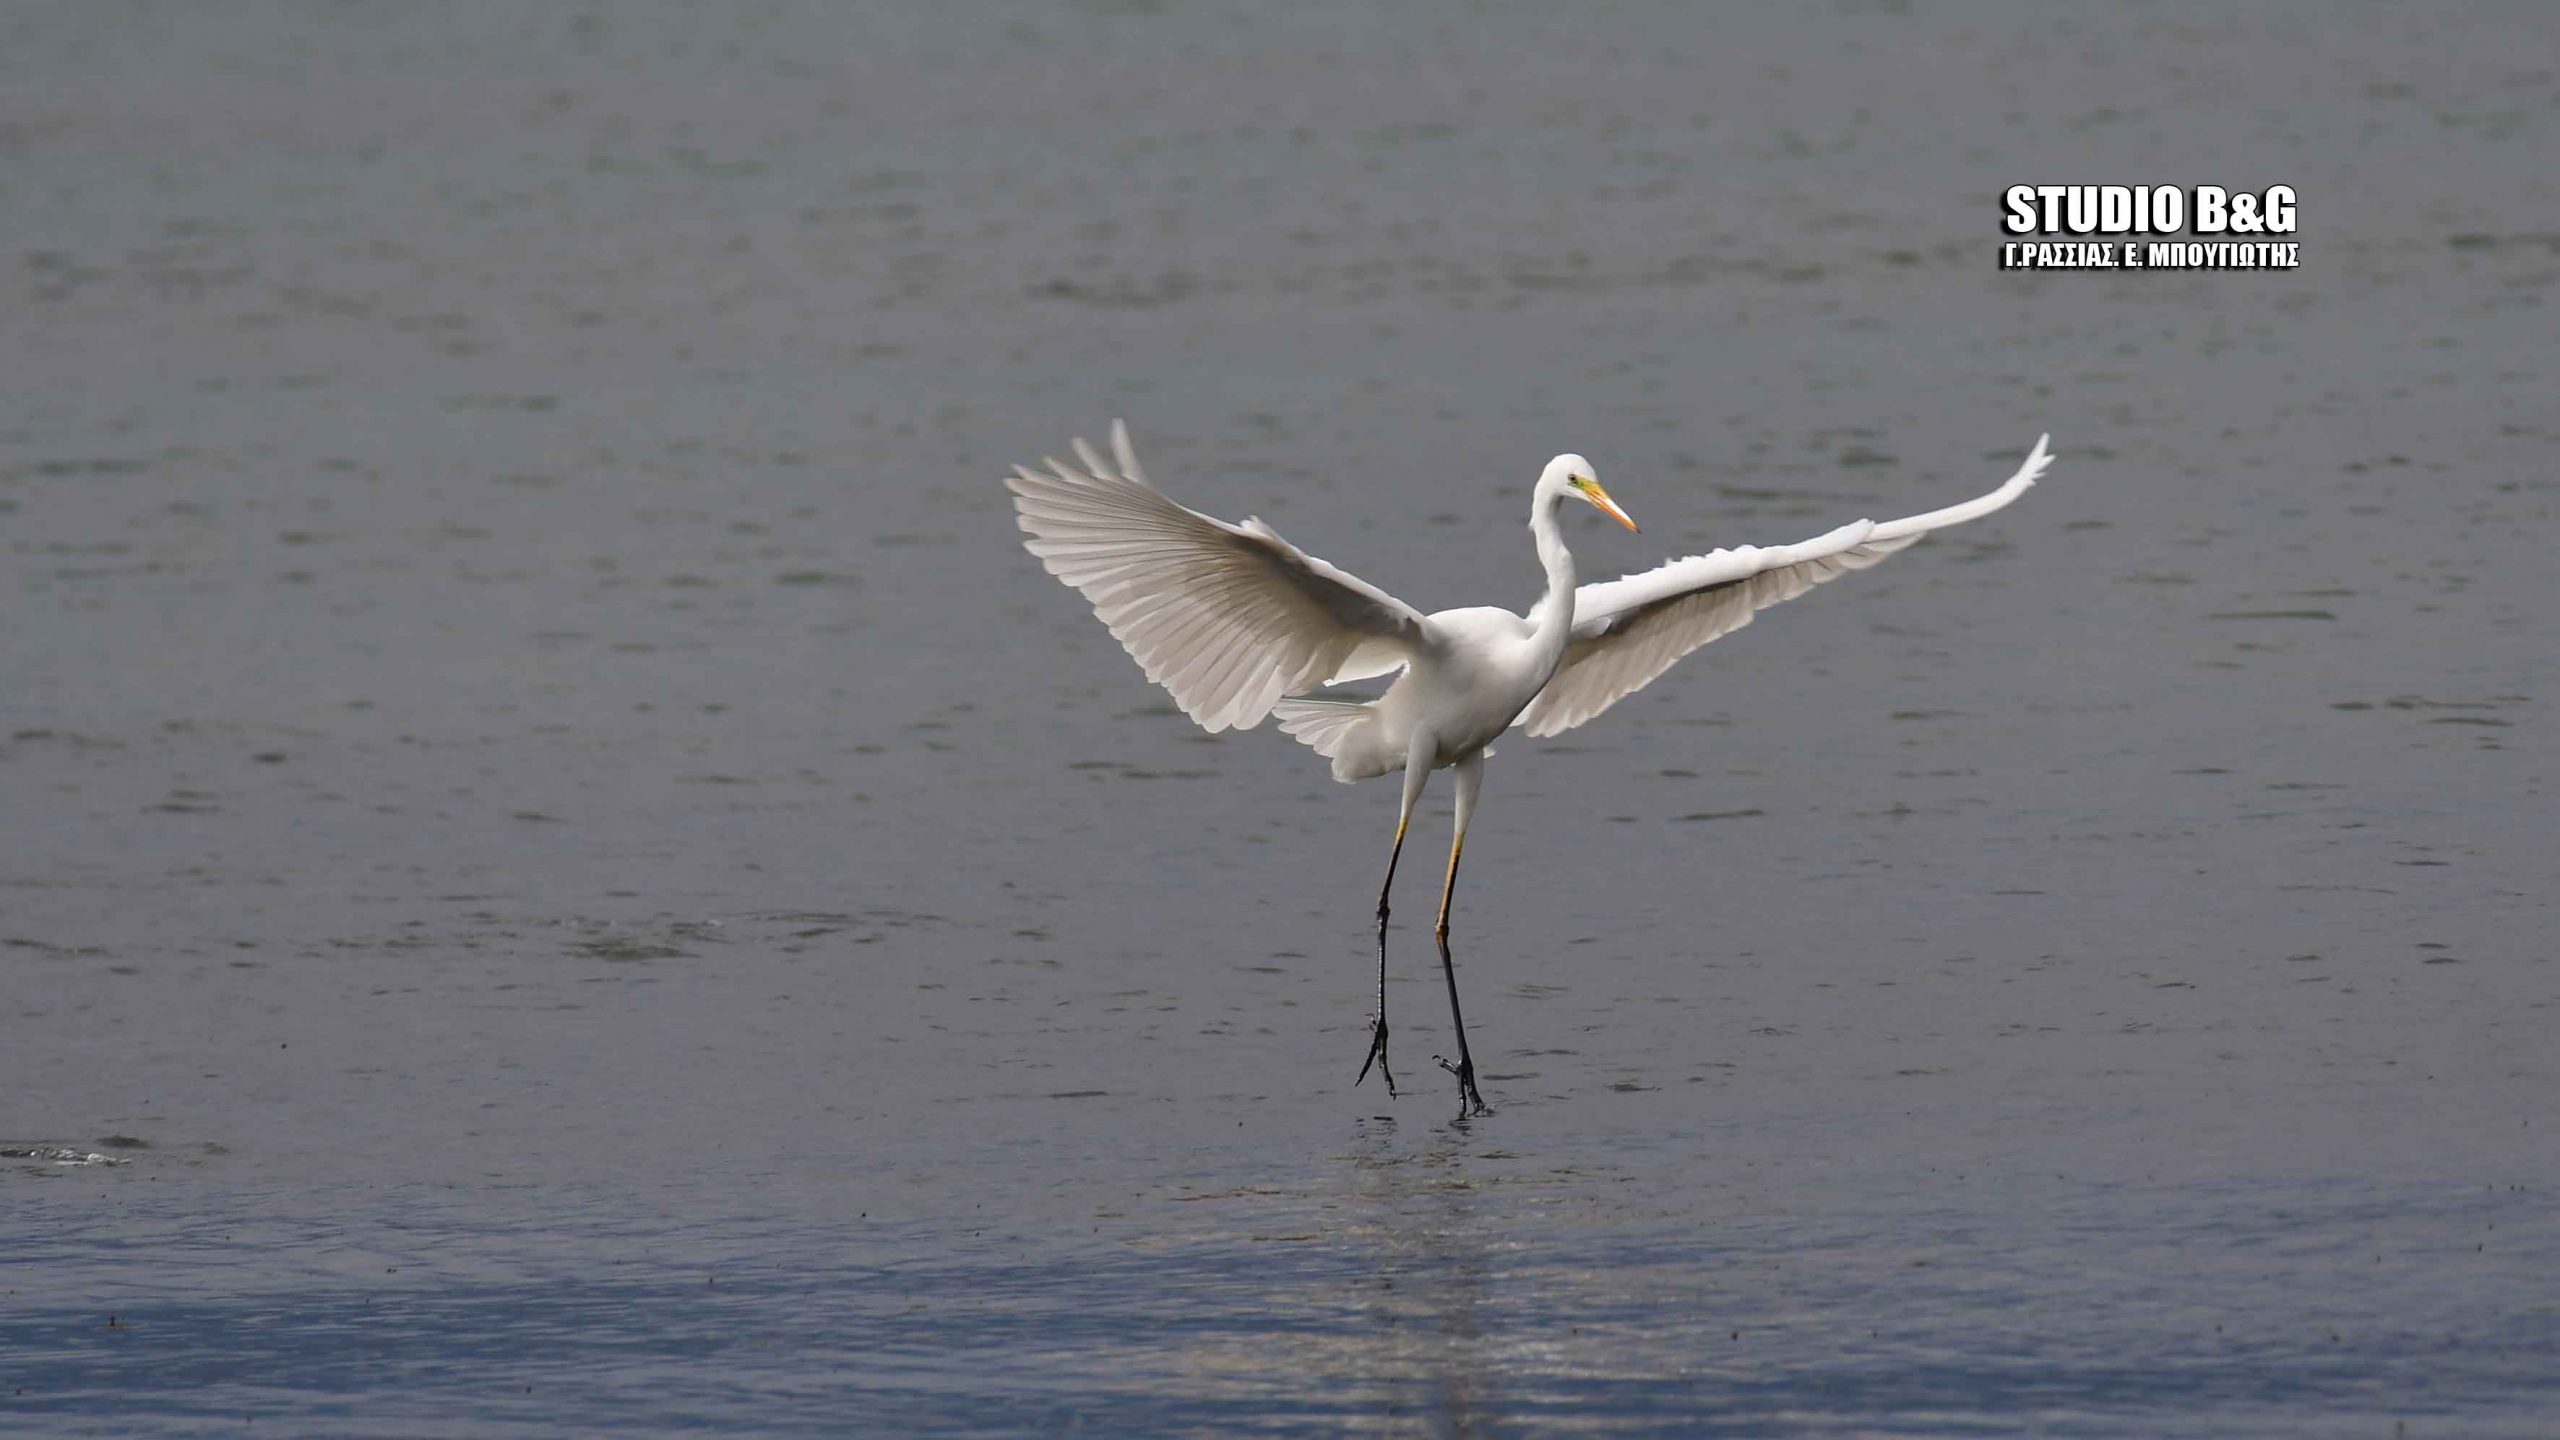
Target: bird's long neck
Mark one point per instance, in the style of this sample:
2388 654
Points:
1554 619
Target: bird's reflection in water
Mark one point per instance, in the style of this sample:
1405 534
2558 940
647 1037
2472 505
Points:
1415 1210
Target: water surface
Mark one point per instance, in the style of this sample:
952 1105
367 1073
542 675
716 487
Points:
574 877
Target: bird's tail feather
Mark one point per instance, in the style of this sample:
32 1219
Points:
1333 729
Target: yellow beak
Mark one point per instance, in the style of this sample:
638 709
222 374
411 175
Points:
1607 506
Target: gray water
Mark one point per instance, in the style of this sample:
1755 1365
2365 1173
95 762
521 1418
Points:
572 876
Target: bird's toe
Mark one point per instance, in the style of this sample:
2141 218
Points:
1378 1056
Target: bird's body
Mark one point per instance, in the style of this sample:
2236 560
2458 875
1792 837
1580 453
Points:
1481 668
1233 620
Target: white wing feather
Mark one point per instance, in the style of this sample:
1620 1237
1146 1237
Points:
1627 632
1227 618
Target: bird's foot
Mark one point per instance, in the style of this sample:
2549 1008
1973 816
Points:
1470 1100
1378 1056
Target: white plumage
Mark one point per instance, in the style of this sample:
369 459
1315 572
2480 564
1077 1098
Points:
1233 619
1626 632
1228 618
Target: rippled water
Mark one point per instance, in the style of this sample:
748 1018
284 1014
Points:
560 870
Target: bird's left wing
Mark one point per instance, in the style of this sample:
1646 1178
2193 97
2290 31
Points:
1627 632
1227 618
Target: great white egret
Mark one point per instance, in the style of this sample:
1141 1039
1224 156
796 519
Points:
1232 618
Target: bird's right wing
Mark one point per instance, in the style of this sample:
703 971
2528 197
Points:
1627 632
1227 618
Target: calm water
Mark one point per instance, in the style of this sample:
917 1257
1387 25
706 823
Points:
572 876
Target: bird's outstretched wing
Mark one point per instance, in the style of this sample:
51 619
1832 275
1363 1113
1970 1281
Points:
1627 632
1228 618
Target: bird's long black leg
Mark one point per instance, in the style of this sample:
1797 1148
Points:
1470 1100
1417 772
1378 1031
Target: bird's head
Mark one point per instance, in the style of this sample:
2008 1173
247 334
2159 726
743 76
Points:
1572 475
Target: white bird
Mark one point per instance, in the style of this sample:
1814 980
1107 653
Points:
1232 618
